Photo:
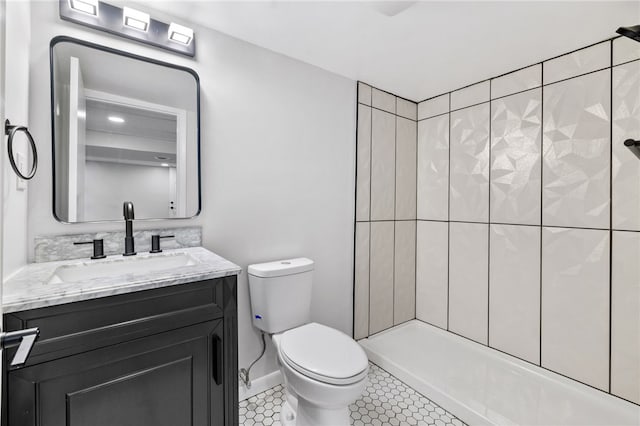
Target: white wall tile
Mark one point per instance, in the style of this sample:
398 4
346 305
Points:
626 166
383 100
576 152
363 178
383 165
514 291
432 107
406 109
404 294
433 168
575 304
364 93
471 95
625 50
469 184
515 158
625 316
580 62
517 81
468 280
361 296
432 274
381 276
405 168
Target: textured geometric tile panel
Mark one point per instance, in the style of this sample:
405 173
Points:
517 81
579 62
469 280
625 50
361 278
363 178
385 402
383 165
404 284
433 107
625 316
626 166
576 152
470 95
433 168
514 290
405 168
432 272
575 304
515 158
470 164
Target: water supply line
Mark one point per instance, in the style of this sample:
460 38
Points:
244 373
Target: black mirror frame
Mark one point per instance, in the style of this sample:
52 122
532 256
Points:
60 39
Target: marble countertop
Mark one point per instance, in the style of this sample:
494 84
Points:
30 287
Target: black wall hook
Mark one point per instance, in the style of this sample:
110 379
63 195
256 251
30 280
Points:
634 146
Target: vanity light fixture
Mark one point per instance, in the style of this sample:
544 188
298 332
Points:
116 119
135 19
85 6
180 33
129 23
165 164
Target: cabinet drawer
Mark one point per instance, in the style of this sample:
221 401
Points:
82 326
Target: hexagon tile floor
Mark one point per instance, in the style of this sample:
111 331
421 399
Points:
385 402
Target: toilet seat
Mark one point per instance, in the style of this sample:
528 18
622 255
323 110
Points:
324 354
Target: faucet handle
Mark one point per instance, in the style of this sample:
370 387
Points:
98 248
155 243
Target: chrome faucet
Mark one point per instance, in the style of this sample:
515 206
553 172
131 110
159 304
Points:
129 243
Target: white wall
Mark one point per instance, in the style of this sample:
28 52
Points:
14 202
278 154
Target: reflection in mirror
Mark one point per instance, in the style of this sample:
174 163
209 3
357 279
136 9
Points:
125 128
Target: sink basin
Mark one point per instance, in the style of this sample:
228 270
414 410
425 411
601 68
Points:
120 266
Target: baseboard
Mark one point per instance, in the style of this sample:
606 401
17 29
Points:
259 385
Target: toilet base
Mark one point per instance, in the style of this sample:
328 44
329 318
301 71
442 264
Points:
307 414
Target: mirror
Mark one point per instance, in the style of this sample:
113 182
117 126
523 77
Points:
125 128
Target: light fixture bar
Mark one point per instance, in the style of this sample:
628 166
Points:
130 23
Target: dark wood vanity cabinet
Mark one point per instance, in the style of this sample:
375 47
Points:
161 357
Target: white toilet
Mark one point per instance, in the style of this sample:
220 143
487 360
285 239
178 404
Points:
324 369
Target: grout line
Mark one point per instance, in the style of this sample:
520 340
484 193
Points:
415 242
395 207
449 212
489 142
610 212
541 211
355 215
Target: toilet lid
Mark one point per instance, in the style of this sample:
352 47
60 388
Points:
324 354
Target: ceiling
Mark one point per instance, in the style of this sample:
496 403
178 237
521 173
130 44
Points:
413 49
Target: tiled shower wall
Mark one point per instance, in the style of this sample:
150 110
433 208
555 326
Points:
528 215
385 211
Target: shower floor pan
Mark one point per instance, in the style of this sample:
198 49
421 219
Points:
485 387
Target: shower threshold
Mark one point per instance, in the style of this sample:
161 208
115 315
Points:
483 386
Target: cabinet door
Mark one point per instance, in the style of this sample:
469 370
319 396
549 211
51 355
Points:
167 379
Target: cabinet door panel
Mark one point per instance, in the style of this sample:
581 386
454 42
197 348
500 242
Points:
159 380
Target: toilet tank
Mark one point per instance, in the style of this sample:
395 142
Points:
280 294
